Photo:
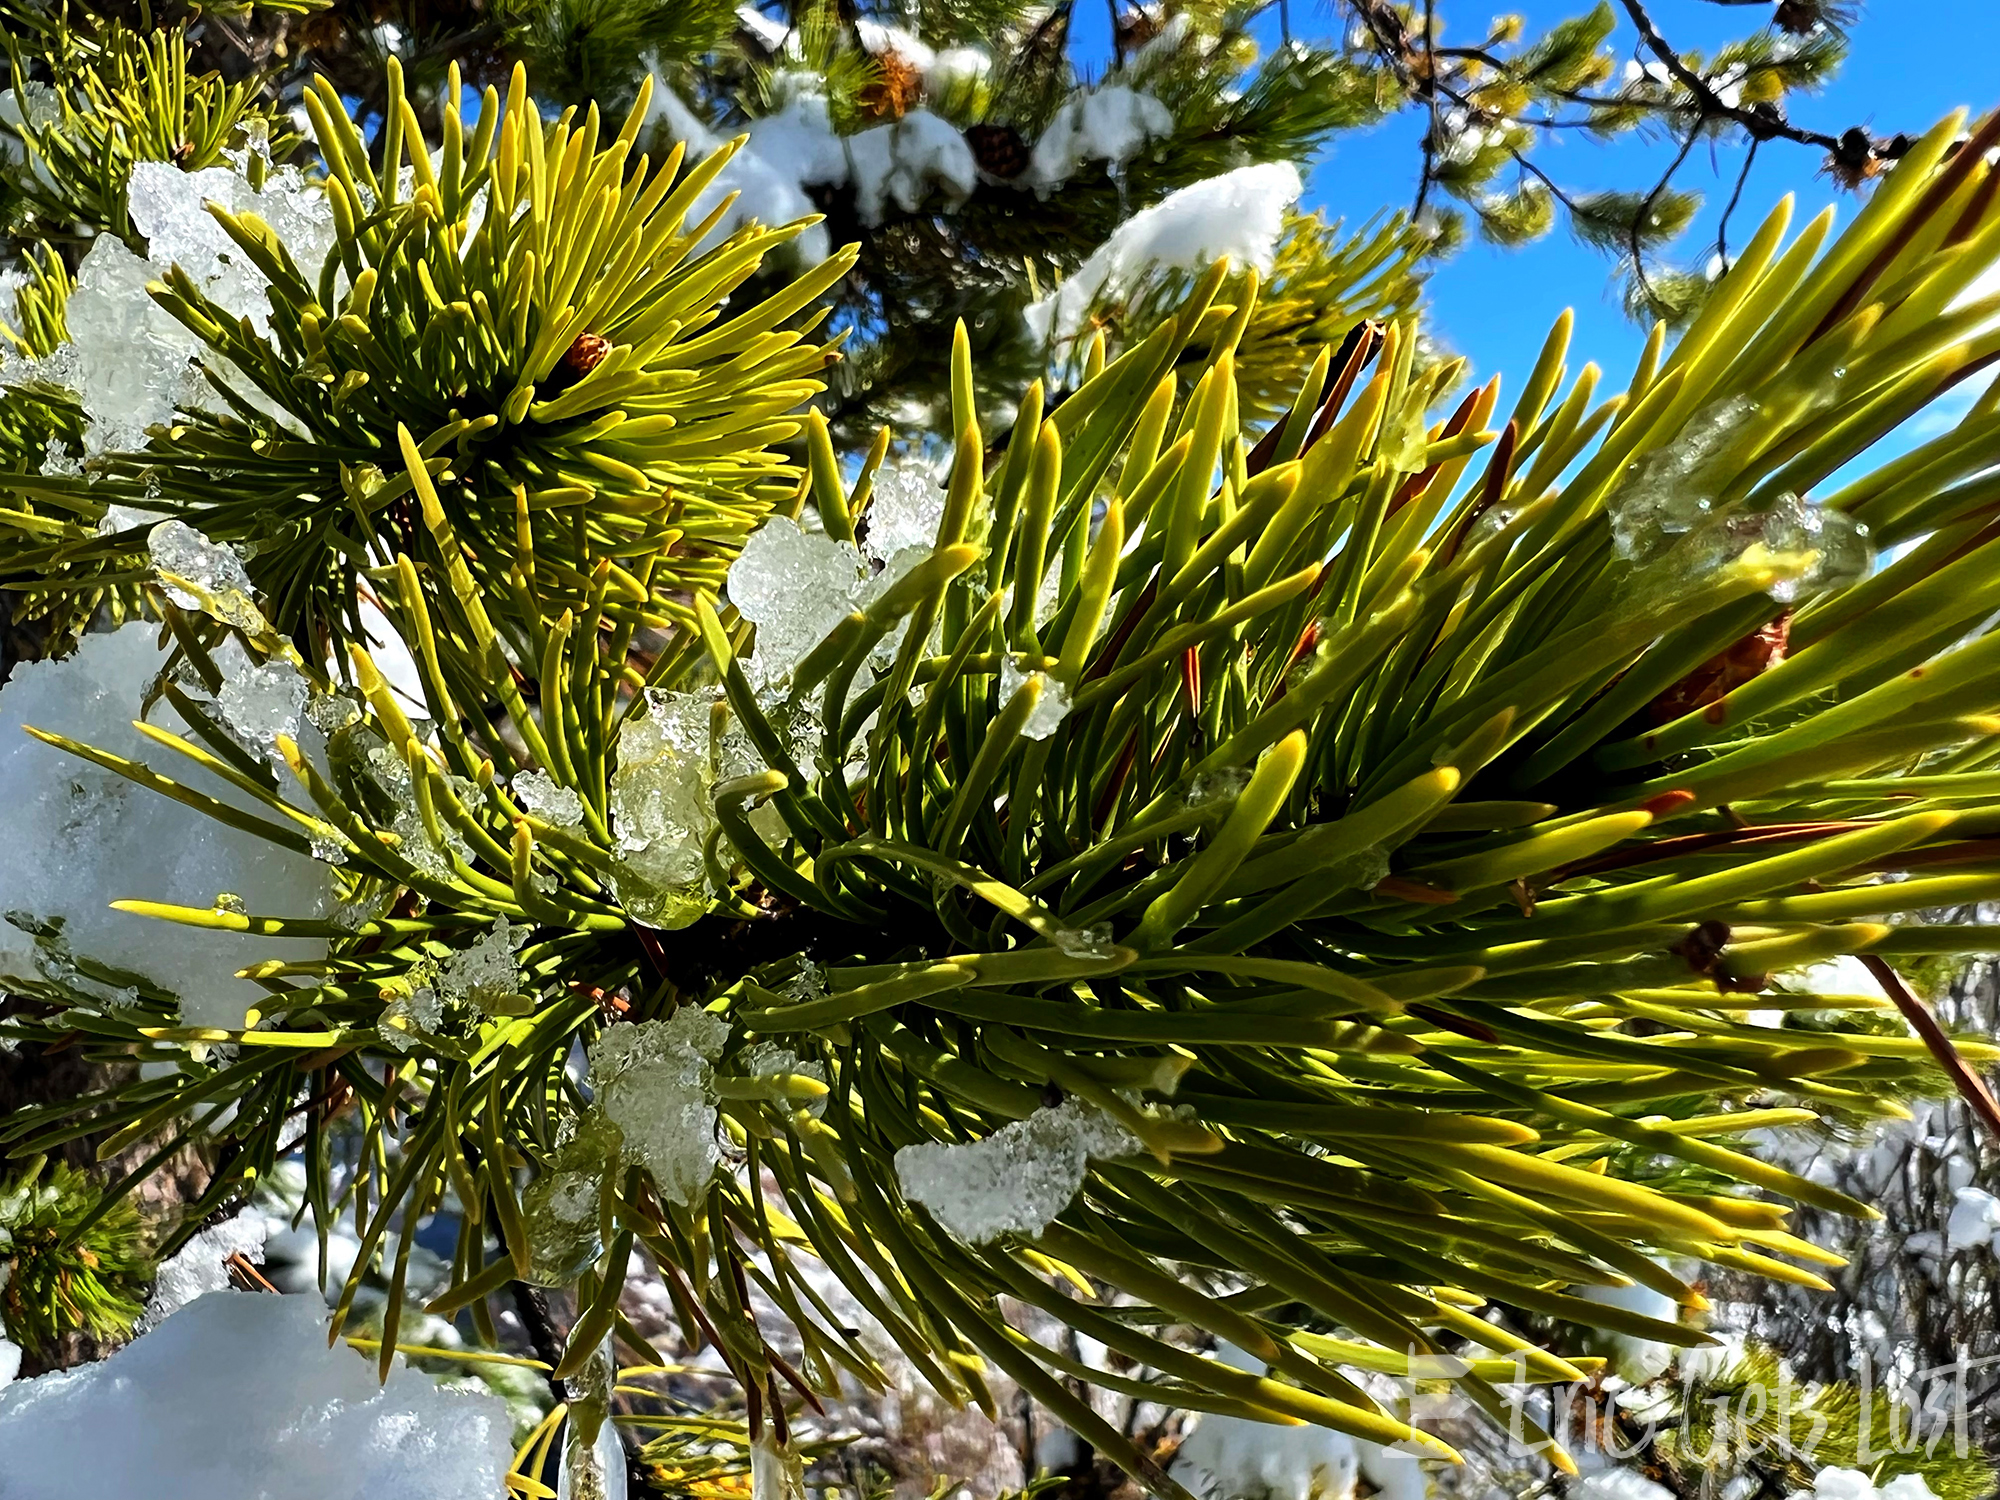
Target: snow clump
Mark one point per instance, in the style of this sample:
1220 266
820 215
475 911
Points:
87 837
1016 1180
653 1081
1240 214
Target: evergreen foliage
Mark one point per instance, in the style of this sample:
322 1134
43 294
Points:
69 1263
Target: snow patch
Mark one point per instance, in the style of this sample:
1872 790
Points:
1111 124
201 1265
787 152
1233 1458
238 1395
905 161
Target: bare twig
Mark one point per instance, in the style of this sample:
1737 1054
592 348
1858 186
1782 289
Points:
1971 1087
1634 230
1431 93
1735 197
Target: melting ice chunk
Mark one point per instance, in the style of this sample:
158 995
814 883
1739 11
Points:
661 809
1093 941
259 700
1801 549
200 574
561 1206
794 586
1016 1180
1223 785
906 510
547 799
419 1010
1671 490
1050 709
653 1081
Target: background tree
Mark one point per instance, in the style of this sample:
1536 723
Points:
977 159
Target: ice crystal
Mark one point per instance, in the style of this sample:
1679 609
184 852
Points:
770 1060
593 1468
258 701
1224 785
330 713
203 575
1050 709
170 208
661 811
1805 548
390 773
408 1014
1362 870
545 798
1016 1180
561 1210
488 971
652 1080
809 983
1093 941
906 510
128 358
561 1207
1668 492
794 586
57 459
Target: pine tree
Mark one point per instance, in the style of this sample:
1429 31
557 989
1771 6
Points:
1254 853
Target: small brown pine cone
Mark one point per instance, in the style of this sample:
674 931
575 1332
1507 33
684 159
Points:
1854 160
1803 17
999 150
583 356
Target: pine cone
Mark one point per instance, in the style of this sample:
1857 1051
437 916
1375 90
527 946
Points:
999 150
1754 655
583 356
1854 160
1803 17
897 86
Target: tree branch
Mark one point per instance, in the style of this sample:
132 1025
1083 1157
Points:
1635 228
1762 125
1735 197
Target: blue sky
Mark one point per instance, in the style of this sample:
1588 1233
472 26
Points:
1912 60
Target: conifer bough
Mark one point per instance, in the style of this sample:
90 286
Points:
1302 890
527 302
